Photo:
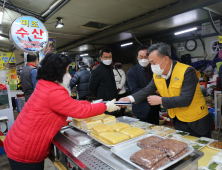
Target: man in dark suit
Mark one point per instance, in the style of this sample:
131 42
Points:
102 82
138 77
178 85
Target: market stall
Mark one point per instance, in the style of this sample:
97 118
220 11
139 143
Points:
76 149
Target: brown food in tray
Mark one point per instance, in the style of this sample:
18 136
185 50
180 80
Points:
161 163
216 144
171 147
149 141
147 157
179 154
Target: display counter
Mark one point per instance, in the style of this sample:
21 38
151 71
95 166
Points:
76 157
208 152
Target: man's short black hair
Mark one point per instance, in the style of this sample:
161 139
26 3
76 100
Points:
106 50
142 47
162 50
31 58
53 67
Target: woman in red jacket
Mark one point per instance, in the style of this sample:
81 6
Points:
28 141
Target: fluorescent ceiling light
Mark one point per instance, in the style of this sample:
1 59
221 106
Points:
84 55
1 16
188 30
126 44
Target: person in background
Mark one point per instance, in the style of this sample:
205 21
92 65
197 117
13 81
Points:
27 144
138 77
178 85
81 79
28 76
102 82
73 72
120 79
92 66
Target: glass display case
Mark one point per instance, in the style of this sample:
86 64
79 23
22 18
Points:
4 99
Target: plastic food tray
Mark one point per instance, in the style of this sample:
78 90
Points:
204 138
185 140
110 146
126 119
202 168
166 130
180 134
126 149
208 145
211 163
173 137
104 154
194 143
217 160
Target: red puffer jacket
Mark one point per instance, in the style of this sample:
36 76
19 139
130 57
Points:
44 114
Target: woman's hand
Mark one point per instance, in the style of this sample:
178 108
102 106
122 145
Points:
154 100
111 107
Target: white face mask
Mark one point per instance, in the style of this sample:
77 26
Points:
156 69
107 62
66 79
143 62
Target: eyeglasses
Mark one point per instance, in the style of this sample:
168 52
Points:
144 57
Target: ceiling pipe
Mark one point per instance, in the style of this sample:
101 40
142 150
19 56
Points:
62 4
51 7
20 10
4 35
136 39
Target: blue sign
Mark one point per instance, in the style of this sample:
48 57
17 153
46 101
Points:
28 34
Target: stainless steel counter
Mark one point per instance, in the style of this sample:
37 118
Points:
76 157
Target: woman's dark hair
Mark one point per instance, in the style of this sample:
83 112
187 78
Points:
53 67
162 50
31 58
106 50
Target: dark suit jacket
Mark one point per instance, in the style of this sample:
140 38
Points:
102 83
137 80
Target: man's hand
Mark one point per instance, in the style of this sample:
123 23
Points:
124 99
154 100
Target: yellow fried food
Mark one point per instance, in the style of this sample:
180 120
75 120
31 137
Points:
119 126
95 136
104 141
87 124
109 119
76 122
99 117
114 137
101 128
133 132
